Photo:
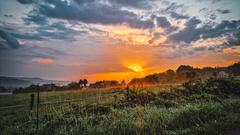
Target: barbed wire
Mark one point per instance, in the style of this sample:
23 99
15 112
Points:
50 103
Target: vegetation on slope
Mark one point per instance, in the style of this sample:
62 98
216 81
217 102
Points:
195 108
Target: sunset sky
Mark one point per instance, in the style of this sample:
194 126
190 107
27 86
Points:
115 39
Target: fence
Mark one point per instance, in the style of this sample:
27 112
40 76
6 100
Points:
30 107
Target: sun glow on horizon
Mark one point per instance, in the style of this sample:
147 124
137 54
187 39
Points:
136 68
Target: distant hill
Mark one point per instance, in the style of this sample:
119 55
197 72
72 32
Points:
185 73
15 82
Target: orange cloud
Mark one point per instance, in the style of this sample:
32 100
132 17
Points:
209 42
43 60
232 51
133 36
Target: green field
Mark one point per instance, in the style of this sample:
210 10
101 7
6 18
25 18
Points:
165 110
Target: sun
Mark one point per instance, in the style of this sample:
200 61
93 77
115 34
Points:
136 68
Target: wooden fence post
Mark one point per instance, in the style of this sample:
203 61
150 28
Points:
32 101
37 108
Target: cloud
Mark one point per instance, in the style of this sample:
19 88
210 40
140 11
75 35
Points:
197 37
35 17
26 1
193 22
132 3
43 60
233 40
224 11
41 52
178 16
8 16
208 13
162 22
58 30
91 11
188 34
192 33
27 36
232 51
8 41
175 10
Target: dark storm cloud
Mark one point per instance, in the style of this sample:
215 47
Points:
174 6
215 1
178 16
128 3
8 41
188 34
174 10
34 17
162 21
51 31
89 11
27 36
132 3
108 12
212 1
26 1
208 14
40 52
193 22
192 33
93 12
58 31
224 11
8 16
234 39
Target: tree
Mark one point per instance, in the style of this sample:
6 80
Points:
85 82
191 75
73 85
170 73
234 69
80 82
185 72
170 76
123 83
184 68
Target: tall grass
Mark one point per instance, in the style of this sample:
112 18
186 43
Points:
196 118
196 108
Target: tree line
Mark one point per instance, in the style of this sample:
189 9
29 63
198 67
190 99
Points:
185 73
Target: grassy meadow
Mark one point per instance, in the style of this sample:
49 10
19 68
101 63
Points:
209 107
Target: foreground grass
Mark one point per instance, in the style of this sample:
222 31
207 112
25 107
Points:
195 108
54 96
195 118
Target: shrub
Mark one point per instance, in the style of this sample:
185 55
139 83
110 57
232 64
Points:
139 97
215 86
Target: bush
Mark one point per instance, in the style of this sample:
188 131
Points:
219 86
215 86
139 97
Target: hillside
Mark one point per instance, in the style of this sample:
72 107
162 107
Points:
15 82
185 73
12 82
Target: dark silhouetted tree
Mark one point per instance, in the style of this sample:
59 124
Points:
184 69
123 83
85 82
234 69
73 85
80 83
